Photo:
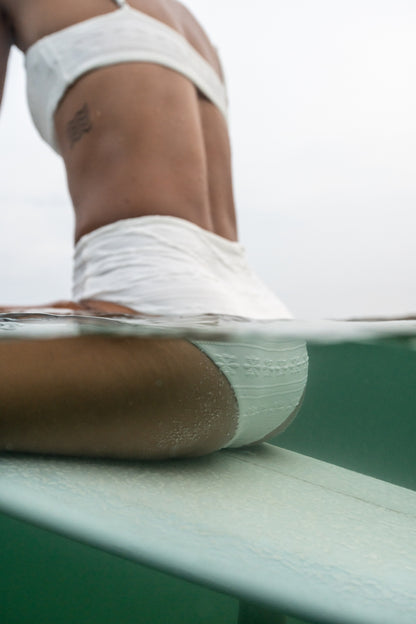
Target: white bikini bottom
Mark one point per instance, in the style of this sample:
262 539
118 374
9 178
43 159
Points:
169 266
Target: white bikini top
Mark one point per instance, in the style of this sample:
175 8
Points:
125 35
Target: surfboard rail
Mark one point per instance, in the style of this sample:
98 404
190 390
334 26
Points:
269 526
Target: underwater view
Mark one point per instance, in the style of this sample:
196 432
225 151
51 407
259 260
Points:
355 382
356 378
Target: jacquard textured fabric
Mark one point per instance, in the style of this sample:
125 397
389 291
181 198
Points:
268 378
168 266
125 35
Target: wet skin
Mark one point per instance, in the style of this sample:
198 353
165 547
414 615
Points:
137 139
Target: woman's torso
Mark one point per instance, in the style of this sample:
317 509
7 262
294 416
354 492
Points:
148 142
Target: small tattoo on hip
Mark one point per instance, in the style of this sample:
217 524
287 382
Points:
79 125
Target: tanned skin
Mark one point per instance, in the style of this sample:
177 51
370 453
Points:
137 139
112 397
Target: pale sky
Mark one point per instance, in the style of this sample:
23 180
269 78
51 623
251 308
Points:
323 127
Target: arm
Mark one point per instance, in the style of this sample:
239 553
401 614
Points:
5 44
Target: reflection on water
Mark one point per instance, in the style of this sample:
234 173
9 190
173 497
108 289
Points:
52 322
359 406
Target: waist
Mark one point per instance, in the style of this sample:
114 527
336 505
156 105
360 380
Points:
166 265
132 155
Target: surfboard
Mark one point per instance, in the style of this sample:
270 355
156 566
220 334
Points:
266 525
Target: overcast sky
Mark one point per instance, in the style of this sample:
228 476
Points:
323 127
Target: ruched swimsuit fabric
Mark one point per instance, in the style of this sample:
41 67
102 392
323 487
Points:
168 266
124 35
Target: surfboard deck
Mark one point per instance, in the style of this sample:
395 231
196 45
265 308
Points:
266 525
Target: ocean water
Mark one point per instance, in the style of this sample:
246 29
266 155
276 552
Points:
359 405
358 413
52 323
